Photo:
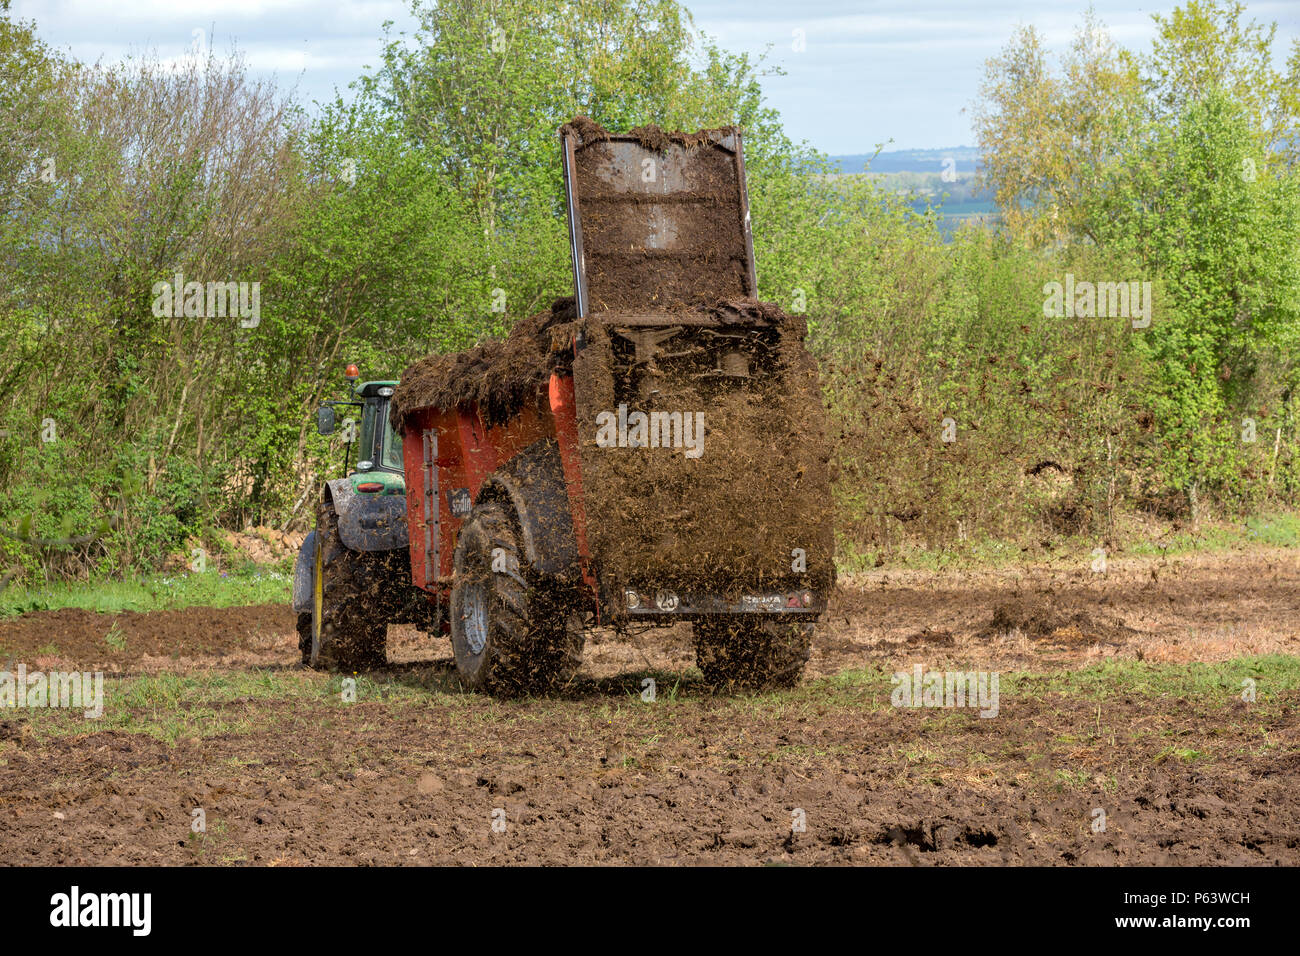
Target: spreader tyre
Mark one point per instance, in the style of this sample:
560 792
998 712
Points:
512 632
737 653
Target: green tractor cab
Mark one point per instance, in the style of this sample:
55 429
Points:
376 462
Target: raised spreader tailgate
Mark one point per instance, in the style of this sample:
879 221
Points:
655 231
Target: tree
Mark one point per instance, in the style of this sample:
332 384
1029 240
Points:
1207 48
1198 206
1047 139
480 89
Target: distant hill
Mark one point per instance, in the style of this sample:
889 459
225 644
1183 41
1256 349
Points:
919 175
911 160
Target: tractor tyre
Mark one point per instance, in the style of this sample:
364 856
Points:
304 637
751 654
513 631
349 613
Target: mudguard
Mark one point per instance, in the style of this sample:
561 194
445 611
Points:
533 484
368 522
302 570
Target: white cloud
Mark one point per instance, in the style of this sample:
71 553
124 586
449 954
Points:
873 69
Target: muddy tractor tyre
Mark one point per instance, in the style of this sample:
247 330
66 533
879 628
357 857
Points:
513 632
304 637
747 654
349 619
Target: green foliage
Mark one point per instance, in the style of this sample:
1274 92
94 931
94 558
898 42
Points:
1208 46
1198 206
1187 176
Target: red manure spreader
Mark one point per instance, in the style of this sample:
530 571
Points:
649 452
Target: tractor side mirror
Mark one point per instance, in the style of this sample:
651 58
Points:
325 420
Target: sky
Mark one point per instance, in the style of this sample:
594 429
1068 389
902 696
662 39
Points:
857 74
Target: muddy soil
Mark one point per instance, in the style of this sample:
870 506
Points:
826 774
133 640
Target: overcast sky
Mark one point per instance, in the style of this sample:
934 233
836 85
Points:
869 72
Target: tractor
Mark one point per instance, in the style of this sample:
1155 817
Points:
348 578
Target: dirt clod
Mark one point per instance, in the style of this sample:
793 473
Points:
1041 621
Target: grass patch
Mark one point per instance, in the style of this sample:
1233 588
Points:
1184 754
1274 531
170 707
115 638
265 584
1224 681
870 688
1280 530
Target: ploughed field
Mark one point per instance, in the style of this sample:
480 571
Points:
1125 733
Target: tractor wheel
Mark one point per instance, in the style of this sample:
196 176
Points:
304 637
349 616
512 635
748 654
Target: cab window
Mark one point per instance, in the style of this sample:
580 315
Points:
366 444
392 457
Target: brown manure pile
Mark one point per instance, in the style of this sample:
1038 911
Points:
1041 621
499 374
746 506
